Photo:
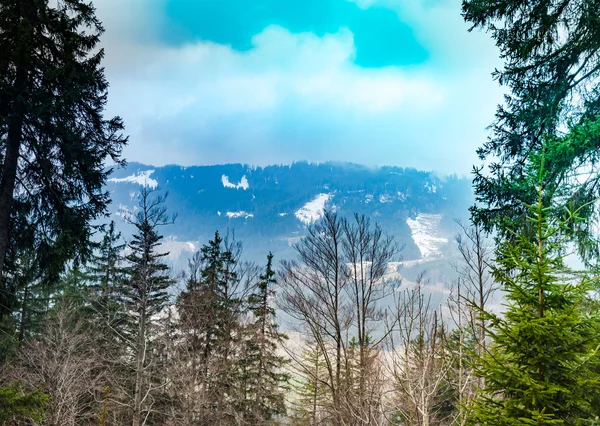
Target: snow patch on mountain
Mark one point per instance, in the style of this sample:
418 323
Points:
431 188
141 178
243 184
425 233
313 210
235 215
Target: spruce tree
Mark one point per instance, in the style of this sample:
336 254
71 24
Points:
310 387
106 274
145 291
551 53
541 366
21 407
210 310
194 322
263 374
36 297
106 270
54 140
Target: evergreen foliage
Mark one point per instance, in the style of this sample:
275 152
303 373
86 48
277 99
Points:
106 275
54 140
310 387
210 312
262 367
19 407
144 292
145 288
551 53
106 270
541 367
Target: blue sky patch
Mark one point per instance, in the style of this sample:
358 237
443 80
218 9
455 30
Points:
381 39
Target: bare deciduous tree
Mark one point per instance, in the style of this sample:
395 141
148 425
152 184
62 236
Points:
468 299
334 291
63 362
418 361
476 252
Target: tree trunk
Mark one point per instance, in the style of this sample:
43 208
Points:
9 170
316 389
14 135
139 367
23 323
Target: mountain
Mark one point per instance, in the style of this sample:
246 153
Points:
269 208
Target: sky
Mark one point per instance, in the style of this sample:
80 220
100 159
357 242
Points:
374 82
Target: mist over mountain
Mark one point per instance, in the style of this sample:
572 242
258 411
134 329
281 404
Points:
269 208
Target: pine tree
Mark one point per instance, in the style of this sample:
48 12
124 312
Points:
542 364
54 140
145 291
29 296
106 270
263 374
216 278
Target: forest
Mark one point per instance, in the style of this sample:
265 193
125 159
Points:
96 328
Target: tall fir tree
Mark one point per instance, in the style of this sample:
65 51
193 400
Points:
551 53
193 348
145 291
54 139
210 311
262 368
541 366
106 274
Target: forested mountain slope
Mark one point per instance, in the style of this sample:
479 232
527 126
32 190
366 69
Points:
269 208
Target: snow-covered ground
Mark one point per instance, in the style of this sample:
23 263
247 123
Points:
425 233
235 215
313 210
243 184
141 178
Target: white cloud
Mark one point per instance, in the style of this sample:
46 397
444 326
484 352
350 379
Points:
300 96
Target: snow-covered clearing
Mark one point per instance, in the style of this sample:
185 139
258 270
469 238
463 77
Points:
141 178
313 210
235 215
425 233
243 184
